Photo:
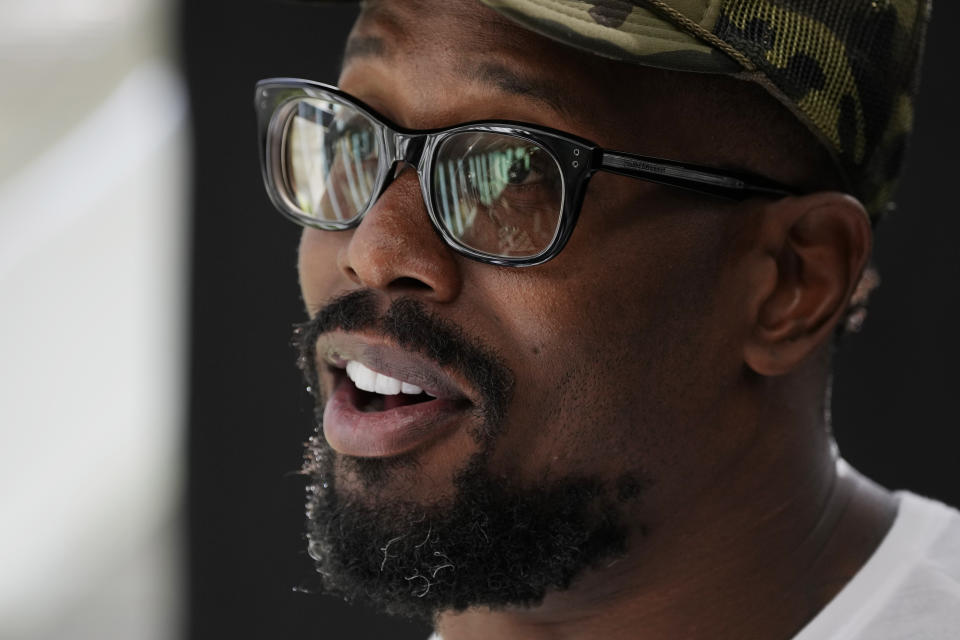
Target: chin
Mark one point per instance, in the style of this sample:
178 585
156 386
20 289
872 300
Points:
488 543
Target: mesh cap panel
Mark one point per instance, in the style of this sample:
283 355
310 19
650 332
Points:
848 69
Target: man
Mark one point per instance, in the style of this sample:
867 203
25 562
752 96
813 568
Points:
574 272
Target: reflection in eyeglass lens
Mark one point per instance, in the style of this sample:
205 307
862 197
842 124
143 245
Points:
497 193
332 160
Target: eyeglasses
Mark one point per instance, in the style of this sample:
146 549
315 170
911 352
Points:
500 192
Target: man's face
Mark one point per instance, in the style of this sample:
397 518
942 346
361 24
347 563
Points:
583 391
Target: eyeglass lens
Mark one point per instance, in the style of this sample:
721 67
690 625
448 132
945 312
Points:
331 160
494 193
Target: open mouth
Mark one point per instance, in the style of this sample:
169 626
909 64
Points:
375 414
369 402
377 392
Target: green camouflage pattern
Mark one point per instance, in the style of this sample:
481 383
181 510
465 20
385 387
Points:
848 69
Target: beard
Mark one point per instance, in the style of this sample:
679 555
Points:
493 543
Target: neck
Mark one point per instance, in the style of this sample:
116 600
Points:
757 554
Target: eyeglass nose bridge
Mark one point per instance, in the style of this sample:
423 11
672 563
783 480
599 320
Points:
405 147
400 149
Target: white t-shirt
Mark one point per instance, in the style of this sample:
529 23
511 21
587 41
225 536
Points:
909 589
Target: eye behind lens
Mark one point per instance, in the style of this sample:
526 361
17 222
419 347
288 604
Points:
498 194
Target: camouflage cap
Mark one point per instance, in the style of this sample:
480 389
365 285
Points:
847 69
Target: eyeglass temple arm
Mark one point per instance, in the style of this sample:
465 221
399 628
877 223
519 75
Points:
690 177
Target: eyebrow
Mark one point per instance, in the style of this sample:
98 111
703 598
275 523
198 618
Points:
494 74
515 83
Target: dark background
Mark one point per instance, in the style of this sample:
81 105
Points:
894 389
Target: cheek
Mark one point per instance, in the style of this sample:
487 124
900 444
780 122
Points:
320 277
616 356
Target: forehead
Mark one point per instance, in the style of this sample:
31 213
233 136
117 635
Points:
428 49
427 64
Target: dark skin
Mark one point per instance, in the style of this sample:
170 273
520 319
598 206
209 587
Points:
675 334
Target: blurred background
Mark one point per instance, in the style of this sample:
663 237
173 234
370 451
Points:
94 282
151 417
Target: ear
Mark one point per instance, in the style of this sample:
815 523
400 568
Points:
809 255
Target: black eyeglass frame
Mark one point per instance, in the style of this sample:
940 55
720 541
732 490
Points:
577 158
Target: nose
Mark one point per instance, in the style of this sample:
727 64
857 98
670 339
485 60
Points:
396 249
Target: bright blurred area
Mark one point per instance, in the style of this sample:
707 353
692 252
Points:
94 172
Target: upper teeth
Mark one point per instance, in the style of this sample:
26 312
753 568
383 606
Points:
369 380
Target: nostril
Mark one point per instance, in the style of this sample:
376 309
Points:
409 284
351 273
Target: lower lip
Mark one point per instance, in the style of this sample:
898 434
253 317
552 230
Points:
382 434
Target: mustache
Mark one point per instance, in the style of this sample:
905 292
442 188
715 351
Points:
408 323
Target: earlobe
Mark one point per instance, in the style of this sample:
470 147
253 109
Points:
813 250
